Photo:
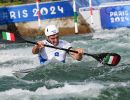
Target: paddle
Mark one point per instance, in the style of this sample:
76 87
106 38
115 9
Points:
110 59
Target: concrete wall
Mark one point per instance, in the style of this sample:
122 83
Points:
96 25
66 26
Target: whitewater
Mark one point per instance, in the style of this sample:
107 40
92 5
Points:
80 80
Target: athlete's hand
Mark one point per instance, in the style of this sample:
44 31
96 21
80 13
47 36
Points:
77 56
80 51
40 44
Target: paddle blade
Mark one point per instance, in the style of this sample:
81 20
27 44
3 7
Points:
111 59
10 37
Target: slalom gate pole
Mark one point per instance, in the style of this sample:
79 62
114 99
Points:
38 13
91 10
75 17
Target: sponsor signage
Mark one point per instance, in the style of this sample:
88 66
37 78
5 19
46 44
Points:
115 16
25 13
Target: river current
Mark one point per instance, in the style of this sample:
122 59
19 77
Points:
73 80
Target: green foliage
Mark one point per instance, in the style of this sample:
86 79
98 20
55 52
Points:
18 2
9 3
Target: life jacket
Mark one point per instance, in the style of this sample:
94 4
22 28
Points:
48 53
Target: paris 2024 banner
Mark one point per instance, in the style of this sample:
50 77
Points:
115 16
29 12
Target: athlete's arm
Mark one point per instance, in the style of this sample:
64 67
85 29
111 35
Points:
36 49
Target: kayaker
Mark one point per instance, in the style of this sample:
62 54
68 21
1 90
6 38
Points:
52 39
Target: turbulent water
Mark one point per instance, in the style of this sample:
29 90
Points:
84 80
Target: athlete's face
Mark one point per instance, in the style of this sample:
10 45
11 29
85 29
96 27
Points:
54 39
